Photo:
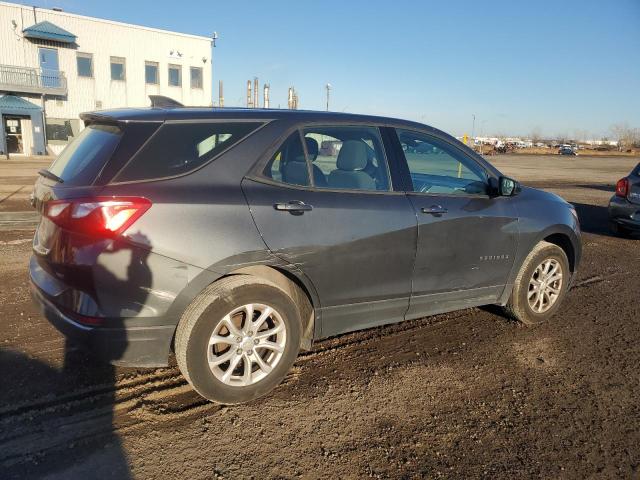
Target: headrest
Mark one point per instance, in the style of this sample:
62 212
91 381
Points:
312 148
352 156
295 153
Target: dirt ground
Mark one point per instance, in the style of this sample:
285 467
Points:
16 181
462 395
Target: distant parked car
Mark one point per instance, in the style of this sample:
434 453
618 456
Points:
567 151
624 206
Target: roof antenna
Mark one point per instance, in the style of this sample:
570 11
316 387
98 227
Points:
160 101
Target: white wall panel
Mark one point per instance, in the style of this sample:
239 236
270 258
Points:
105 39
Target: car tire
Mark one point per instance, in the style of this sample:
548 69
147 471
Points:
210 318
531 304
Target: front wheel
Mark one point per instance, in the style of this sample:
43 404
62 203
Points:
541 284
238 339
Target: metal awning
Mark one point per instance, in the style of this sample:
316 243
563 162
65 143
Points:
48 31
12 103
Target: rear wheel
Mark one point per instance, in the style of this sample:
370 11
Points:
238 339
541 284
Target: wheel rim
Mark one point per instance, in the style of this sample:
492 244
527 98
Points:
246 344
545 285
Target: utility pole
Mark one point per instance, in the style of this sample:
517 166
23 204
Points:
328 87
473 128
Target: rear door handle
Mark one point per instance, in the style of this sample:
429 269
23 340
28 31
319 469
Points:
434 210
294 206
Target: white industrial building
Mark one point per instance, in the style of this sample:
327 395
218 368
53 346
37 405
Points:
55 65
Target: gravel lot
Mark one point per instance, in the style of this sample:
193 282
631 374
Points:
462 395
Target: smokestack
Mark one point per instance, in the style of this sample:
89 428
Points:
266 96
290 98
249 97
256 98
220 94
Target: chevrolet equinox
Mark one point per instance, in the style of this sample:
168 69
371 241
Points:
234 238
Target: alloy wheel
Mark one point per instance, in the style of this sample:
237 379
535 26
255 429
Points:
246 344
545 285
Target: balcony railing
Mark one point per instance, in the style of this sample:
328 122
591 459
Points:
32 80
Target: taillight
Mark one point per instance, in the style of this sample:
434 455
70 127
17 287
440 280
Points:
622 187
100 216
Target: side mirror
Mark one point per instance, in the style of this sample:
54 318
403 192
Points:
508 187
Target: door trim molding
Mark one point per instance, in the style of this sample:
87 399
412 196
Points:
435 303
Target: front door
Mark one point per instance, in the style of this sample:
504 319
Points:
49 66
331 212
466 237
13 135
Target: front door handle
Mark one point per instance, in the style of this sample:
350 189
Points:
294 206
434 210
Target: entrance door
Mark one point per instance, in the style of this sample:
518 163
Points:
13 134
49 66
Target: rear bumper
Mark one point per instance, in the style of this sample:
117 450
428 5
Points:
624 213
128 346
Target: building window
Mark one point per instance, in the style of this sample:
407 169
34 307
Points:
175 75
117 68
151 73
196 77
85 64
62 130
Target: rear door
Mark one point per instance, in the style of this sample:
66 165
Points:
466 238
324 203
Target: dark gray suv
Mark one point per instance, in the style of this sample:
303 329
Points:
235 238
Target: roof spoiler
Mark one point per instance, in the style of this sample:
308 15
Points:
160 101
95 117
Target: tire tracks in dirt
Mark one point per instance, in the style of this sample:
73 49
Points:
162 399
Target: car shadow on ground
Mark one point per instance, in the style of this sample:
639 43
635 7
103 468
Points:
598 186
52 431
594 219
59 422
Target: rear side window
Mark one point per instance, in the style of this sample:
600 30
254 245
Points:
81 161
179 148
289 164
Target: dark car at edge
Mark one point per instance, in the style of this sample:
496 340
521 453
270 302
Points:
234 238
624 206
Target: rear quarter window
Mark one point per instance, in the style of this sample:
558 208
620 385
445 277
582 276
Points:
81 161
179 148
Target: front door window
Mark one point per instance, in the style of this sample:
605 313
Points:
437 168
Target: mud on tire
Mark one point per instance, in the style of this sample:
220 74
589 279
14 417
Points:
203 316
518 307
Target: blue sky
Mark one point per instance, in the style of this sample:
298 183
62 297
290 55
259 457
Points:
560 66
